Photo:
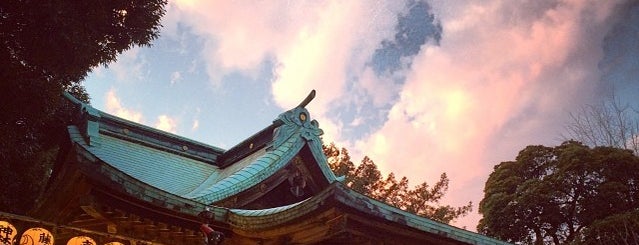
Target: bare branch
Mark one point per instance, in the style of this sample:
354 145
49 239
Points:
609 123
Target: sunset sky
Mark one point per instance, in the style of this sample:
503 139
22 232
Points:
420 87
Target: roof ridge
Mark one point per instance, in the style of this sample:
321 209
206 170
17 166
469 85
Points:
94 122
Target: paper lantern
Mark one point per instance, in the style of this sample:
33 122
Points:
37 236
7 233
81 240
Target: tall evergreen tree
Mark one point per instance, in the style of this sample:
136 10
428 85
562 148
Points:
365 178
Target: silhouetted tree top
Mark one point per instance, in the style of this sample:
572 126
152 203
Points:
365 178
47 47
562 194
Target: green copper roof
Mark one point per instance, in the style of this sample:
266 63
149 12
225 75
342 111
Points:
183 175
172 173
289 138
189 169
264 212
253 174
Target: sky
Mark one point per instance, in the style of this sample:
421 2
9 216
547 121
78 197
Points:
421 87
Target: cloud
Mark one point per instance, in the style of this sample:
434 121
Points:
196 119
328 53
620 61
381 89
196 125
114 106
313 59
491 76
313 45
241 38
175 77
130 65
166 123
503 76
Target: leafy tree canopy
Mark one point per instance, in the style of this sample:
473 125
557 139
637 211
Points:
365 178
47 47
566 194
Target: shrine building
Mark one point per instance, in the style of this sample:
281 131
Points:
134 184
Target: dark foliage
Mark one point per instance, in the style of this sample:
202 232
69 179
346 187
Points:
47 47
422 200
561 195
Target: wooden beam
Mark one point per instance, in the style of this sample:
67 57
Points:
92 211
309 229
388 233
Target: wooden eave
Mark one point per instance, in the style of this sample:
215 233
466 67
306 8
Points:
283 139
338 213
83 196
274 191
252 173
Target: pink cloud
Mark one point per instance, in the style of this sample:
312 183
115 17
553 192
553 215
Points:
504 74
246 33
114 106
166 123
460 96
329 50
313 44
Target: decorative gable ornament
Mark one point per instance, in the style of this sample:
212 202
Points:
297 121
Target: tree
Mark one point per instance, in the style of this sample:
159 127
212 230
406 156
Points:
556 195
47 47
616 229
422 200
609 123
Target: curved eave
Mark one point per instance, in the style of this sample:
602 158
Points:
186 209
389 213
291 134
118 183
253 220
289 139
249 176
318 154
256 220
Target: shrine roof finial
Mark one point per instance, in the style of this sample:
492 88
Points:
308 99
